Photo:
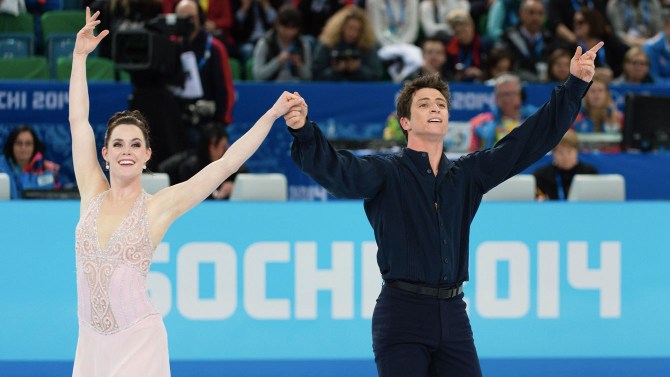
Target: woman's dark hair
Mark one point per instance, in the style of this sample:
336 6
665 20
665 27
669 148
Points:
132 117
8 150
497 55
289 16
597 25
553 58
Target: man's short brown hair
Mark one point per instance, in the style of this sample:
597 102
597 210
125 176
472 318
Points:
404 103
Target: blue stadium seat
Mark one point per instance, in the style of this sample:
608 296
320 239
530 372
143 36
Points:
16 45
59 45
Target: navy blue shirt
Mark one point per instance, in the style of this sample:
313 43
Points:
421 220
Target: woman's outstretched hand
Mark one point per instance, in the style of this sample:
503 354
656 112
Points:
87 41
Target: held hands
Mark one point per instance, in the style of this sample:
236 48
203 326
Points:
583 65
296 117
286 103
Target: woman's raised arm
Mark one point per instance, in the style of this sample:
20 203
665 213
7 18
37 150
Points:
90 178
176 200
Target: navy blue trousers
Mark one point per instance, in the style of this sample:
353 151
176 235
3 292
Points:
418 336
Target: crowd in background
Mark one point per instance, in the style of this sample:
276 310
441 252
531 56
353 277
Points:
371 40
503 43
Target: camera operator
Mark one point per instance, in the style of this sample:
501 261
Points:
207 94
134 26
347 49
119 15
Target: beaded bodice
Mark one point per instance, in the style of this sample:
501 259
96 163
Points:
111 282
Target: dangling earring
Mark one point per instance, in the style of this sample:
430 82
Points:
145 167
107 165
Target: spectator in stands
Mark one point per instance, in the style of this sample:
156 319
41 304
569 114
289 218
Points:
316 13
433 17
393 130
635 68
466 51
591 28
39 7
561 13
530 42
635 21
394 21
479 10
219 23
489 127
253 18
553 181
13 7
120 226
599 112
499 61
347 49
502 15
213 145
658 51
208 93
558 65
23 160
434 60
283 54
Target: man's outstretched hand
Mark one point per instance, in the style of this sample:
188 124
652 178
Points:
583 65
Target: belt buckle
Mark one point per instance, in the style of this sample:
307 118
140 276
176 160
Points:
447 293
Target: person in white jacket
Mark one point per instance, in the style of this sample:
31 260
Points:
433 17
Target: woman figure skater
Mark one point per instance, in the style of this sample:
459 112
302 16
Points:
120 331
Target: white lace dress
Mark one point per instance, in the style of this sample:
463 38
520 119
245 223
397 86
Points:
120 331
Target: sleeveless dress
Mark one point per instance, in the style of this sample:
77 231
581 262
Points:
120 332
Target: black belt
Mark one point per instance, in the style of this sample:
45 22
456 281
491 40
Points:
441 293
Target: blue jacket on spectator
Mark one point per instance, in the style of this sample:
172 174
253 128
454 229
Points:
39 174
658 50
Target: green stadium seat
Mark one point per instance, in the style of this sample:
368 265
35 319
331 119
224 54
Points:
249 65
23 23
235 68
59 33
97 69
62 22
27 68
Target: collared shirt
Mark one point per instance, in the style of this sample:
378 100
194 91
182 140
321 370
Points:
421 220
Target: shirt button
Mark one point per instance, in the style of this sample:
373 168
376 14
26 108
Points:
429 171
446 260
444 242
444 278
